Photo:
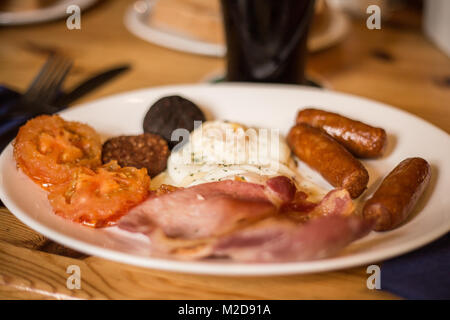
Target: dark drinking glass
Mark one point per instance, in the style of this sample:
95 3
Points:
266 39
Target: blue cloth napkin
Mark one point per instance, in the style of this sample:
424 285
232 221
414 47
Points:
8 98
421 274
9 127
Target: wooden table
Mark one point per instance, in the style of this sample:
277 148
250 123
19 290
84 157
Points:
395 65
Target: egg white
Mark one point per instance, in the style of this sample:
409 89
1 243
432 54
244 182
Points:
220 150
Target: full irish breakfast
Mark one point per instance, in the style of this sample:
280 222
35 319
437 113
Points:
218 189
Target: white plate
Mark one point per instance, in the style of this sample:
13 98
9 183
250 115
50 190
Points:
136 21
271 106
53 12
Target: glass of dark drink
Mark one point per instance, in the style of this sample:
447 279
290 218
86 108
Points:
266 39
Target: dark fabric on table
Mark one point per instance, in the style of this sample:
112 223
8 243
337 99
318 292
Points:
8 98
8 103
421 274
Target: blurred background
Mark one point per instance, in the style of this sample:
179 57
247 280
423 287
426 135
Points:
405 63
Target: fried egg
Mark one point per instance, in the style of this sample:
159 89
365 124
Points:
220 150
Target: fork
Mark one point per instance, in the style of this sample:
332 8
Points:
45 86
40 94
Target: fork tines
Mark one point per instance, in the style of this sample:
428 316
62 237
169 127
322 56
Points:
47 83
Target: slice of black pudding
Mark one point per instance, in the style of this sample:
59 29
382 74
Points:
171 113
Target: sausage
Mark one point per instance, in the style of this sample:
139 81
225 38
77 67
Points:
325 155
360 139
397 195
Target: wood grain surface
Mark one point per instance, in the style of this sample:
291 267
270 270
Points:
396 65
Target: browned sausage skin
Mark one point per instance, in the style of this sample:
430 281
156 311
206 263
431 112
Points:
359 138
329 158
397 195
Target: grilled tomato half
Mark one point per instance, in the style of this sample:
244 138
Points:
48 149
98 198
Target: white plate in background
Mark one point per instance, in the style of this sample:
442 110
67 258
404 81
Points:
52 12
270 106
137 17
